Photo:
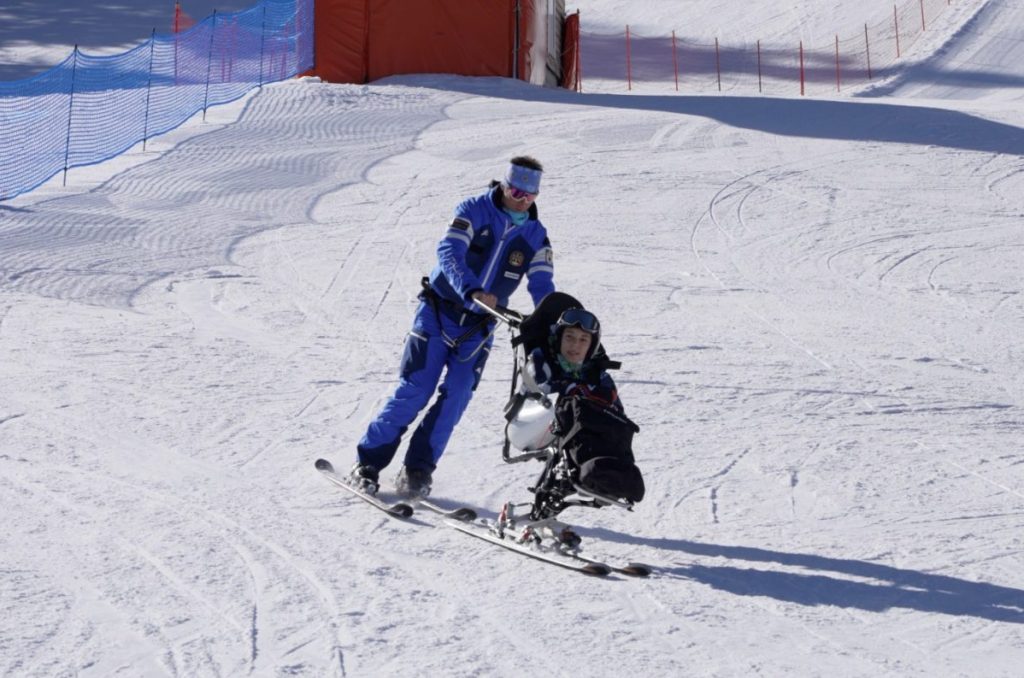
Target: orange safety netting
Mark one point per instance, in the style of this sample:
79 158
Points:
652 63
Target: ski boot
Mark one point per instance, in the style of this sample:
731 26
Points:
364 478
413 482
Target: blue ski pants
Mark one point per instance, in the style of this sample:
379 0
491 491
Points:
427 354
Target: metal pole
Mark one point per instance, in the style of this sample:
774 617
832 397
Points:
515 43
837 62
71 105
675 61
759 88
867 50
718 65
149 90
801 68
896 24
629 65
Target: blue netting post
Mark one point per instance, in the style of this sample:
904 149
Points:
149 89
71 106
263 41
312 37
209 64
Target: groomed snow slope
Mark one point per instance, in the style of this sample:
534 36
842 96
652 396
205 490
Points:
817 305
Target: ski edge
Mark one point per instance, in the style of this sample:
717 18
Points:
463 513
396 510
593 569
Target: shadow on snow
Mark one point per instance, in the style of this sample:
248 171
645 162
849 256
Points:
890 587
844 120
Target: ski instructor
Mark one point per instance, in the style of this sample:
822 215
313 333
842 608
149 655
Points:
494 240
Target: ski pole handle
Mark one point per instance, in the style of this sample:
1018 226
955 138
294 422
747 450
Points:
506 315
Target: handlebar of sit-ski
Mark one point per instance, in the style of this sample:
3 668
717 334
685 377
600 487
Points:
506 315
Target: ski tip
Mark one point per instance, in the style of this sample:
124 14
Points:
324 465
596 570
637 570
464 514
400 510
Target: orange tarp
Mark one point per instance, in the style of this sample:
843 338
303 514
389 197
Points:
340 33
468 38
362 40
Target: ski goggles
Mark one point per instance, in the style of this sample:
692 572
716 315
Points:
577 317
519 194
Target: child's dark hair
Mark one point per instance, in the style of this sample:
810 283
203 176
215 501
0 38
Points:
527 161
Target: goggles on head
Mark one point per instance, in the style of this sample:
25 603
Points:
578 317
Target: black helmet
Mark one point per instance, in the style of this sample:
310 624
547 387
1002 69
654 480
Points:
584 320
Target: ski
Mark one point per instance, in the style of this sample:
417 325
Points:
592 568
393 509
462 513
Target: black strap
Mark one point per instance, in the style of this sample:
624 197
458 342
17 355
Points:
430 296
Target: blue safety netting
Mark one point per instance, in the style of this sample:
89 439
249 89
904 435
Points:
89 109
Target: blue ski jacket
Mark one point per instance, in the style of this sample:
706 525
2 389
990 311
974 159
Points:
484 251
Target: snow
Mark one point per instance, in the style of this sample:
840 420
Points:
817 305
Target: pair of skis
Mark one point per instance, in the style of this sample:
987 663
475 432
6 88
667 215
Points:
464 519
397 509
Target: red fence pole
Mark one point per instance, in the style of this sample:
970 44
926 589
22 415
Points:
867 50
837 62
718 65
629 65
801 68
675 61
896 23
760 91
